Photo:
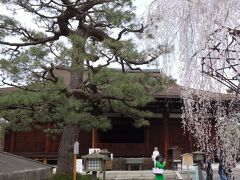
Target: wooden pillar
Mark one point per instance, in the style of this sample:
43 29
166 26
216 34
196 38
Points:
48 140
190 142
47 144
146 130
2 139
12 142
94 138
166 135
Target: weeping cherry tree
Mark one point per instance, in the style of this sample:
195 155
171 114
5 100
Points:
205 35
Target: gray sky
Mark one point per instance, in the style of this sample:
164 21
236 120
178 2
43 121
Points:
141 5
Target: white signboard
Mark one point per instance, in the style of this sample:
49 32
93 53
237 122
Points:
76 148
92 150
79 164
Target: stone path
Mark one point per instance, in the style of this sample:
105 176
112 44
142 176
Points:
169 174
147 175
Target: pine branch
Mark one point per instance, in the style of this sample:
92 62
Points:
96 97
37 42
18 86
140 30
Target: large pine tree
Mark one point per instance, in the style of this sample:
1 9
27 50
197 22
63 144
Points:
82 37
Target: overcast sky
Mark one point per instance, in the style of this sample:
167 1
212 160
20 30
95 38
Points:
141 5
141 8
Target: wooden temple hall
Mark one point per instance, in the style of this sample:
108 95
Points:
123 140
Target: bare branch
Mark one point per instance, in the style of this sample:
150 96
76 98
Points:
140 62
130 30
16 86
40 41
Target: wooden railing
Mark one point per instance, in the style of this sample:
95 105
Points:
134 162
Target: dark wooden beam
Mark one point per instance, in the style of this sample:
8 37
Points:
47 144
12 141
166 135
94 138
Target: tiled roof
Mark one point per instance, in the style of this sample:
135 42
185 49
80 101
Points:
4 90
172 90
17 167
10 163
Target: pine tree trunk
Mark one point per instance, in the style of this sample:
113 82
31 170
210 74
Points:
65 152
71 131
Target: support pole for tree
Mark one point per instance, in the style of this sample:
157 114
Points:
75 167
75 152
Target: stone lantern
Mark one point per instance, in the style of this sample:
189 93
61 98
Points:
198 156
174 157
107 161
105 153
93 162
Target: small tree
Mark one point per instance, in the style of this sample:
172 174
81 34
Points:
30 57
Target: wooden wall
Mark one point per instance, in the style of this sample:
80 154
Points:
163 132
177 135
155 135
36 144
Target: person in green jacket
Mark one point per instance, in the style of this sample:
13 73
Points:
161 165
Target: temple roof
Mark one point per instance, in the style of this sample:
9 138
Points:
170 91
17 167
4 90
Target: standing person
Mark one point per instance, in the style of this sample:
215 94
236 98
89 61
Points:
222 170
228 171
208 168
161 165
154 155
